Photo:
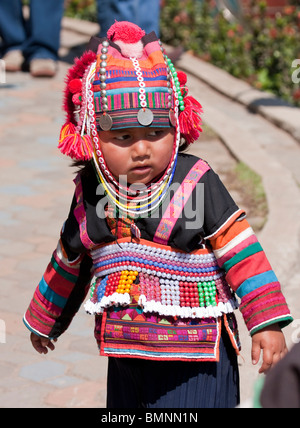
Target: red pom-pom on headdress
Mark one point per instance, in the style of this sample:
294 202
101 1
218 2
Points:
75 86
128 37
190 120
126 32
182 77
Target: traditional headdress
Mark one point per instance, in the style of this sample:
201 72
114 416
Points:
129 82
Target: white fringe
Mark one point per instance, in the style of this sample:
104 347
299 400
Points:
115 299
152 306
188 312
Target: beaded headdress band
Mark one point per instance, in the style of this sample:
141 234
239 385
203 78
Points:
129 82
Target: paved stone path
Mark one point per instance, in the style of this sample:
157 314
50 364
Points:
35 194
36 190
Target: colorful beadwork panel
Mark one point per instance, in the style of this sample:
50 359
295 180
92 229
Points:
160 280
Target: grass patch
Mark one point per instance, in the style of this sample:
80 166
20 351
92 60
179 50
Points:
252 182
207 132
249 185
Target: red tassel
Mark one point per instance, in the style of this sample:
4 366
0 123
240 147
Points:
74 145
190 120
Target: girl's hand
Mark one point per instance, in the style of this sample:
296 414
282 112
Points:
41 344
271 342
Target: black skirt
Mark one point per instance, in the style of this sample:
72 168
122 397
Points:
137 383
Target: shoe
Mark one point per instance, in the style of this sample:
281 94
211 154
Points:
40 67
13 60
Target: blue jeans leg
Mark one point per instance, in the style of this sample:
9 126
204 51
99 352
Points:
144 13
45 25
12 25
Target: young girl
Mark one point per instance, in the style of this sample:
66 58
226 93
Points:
162 237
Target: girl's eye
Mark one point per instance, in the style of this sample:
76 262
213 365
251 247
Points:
122 137
156 133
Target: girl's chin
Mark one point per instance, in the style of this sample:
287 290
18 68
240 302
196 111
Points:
138 176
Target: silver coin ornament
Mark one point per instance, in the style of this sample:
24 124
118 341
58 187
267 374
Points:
105 122
145 117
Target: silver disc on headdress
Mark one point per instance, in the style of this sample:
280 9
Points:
105 122
145 117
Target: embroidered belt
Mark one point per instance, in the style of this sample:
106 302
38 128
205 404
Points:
160 280
133 334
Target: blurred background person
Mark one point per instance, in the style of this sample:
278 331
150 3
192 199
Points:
32 42
281 389
144 13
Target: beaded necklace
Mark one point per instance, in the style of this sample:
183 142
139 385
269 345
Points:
135 203
137 206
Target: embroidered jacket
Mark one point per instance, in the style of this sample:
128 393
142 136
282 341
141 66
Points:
191 259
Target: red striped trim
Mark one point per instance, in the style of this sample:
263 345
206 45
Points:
245 269
47 306
178 202
262 305
235 250
70 269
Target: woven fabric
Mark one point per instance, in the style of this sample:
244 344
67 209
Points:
123 85
62 278
128 119
250 275
133 334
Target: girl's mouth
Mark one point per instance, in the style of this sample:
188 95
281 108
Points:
143 169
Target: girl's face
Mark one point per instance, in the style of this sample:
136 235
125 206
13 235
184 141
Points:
141 154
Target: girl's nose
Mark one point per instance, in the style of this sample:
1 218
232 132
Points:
141 148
